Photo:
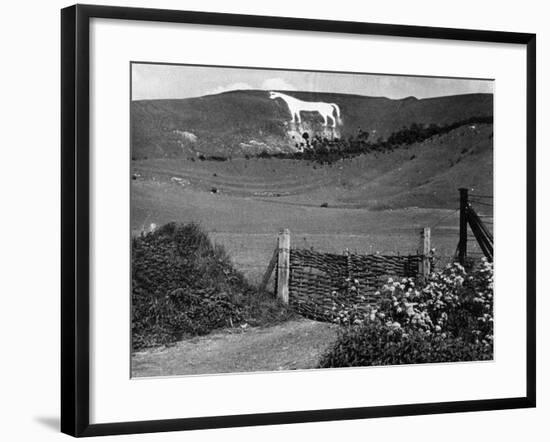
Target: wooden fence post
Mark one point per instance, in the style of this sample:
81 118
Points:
283 265
347 254
463 234
425 250
269 270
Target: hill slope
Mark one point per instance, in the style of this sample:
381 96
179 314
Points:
425 174
235 123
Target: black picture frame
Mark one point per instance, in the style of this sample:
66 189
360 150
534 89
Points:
75 212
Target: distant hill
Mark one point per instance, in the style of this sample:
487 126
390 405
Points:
236 123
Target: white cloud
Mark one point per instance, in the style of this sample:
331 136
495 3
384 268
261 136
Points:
269 84
229 87
277 84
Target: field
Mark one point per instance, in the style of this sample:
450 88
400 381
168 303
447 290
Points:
373 202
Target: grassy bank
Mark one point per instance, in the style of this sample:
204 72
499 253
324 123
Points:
183 285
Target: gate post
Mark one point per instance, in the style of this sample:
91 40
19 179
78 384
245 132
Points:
425 250
283 265
463 234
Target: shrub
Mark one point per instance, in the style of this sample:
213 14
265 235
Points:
451 302
378 344
449 318
183 285
325 151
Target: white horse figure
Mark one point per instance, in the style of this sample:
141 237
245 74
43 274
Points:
296 106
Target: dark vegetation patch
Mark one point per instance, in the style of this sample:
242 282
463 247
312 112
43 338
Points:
183 285
376 345
325 151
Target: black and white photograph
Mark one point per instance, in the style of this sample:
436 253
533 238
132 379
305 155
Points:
275 221
292 220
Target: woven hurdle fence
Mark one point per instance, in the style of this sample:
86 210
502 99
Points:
313 283
320 281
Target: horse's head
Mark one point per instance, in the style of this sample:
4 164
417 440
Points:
274 95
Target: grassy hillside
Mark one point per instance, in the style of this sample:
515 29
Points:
228 124
373 201
424 174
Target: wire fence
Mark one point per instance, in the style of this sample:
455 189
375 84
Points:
480 231
251 252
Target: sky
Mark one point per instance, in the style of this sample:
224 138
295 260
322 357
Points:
157 81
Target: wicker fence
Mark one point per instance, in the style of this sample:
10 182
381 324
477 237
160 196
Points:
313 283
320 281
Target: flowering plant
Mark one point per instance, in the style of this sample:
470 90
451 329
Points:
448 317
451 302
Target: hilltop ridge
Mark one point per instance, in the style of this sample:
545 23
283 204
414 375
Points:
244 122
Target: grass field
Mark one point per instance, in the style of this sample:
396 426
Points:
247 227
374 202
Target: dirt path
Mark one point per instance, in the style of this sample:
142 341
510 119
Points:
292 345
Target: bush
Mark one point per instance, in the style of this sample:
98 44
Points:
378 344
449 318
325 151
183 285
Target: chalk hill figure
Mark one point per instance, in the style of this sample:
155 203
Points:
295 106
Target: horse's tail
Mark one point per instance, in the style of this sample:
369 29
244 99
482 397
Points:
337 109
